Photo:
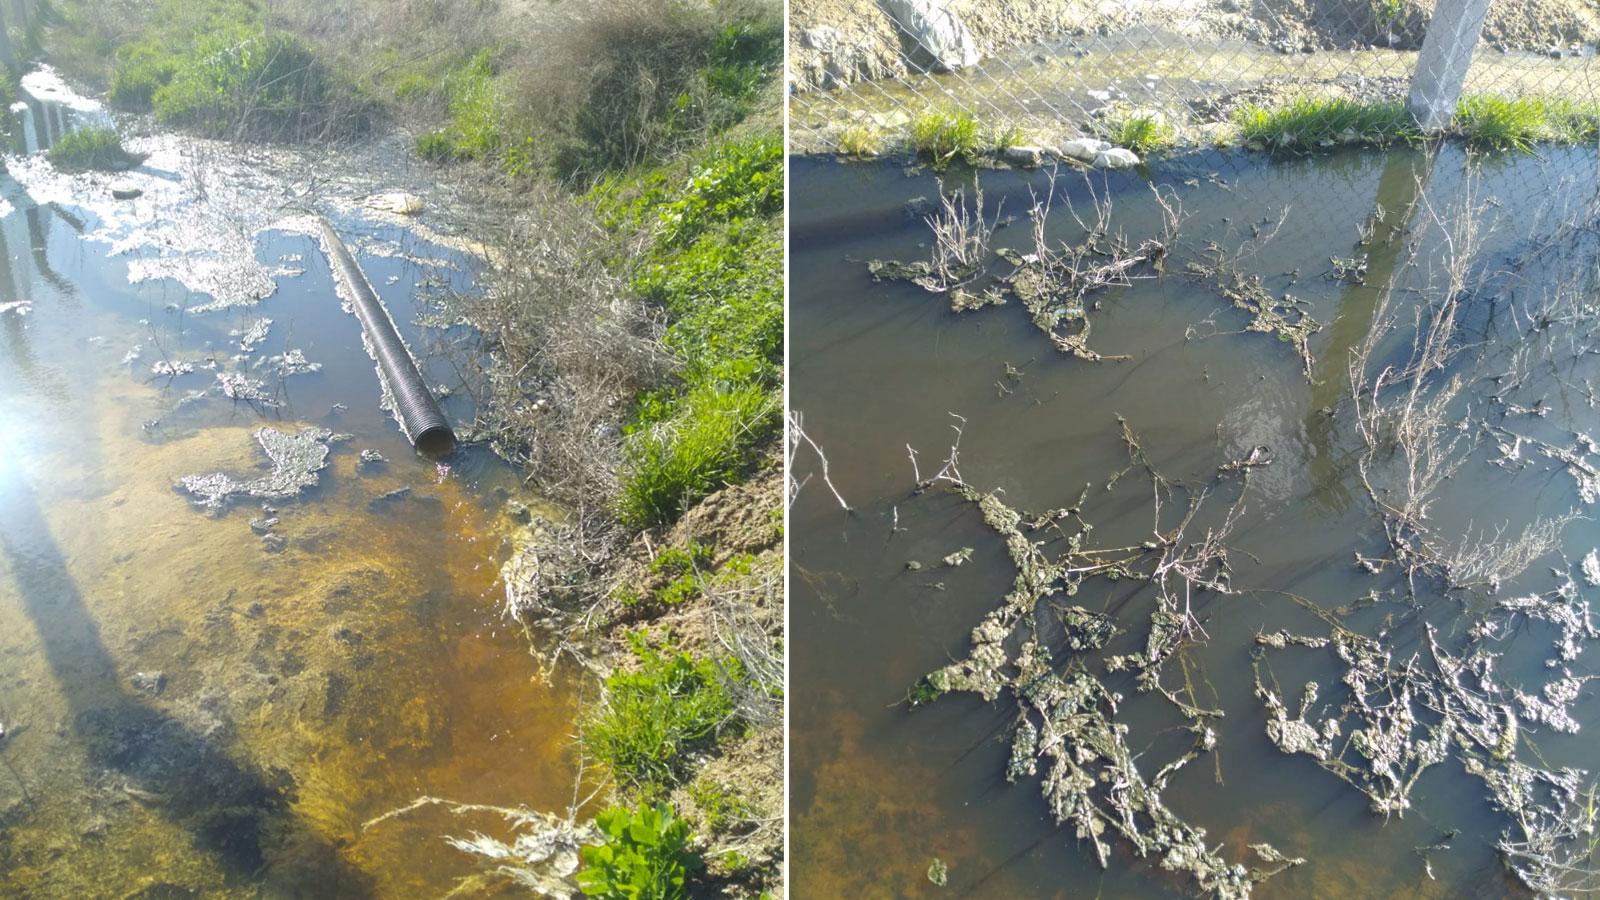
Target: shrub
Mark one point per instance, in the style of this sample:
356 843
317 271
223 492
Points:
654 717
245 81
645 855
940 137
92 148
633 83
141 70
706 441
435 146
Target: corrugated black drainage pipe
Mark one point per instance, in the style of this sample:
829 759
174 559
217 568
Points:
419 413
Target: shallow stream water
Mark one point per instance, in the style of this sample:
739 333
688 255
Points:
203 702
880 790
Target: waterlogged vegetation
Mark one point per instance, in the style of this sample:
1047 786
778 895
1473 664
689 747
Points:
1311 504
98 149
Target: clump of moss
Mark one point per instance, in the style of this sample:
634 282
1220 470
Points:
92 149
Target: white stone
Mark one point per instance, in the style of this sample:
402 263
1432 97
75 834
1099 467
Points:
1085 149
1116 158
936 29
824 38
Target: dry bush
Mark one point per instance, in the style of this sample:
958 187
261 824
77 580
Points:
567 350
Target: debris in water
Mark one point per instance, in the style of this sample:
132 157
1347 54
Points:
293 362
938 872
16 307
369 458
1066 721
296 460
251 337
149 682
242 387
167 369
959 558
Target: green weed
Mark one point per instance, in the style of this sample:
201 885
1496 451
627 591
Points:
644 855
858 140
1517 124
654 717
1142 132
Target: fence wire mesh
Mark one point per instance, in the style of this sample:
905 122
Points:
862 73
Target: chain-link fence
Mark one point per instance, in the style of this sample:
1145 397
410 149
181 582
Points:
862 74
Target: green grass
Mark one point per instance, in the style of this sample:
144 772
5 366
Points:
1517 124
1305 124
940 138
707 439
215 67
715 268
1142 132
97 149
673 705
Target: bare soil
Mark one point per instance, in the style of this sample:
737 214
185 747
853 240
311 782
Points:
836 42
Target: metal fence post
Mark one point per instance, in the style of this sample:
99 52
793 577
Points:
1442 65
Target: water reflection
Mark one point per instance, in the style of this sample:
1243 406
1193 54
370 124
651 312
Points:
237 814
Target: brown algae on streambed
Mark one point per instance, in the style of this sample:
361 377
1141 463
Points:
216 702
1324 625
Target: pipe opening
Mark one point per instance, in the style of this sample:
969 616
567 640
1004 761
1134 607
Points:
436 442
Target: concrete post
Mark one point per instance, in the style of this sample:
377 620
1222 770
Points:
1442 65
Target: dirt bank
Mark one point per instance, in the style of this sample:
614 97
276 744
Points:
836 42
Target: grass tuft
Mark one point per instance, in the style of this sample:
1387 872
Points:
942 137
858 140
97 149
707 442
1517 124
1142 132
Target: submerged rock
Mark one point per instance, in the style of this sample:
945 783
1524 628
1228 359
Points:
296 460
125 190
150 682
1024 155
1116 158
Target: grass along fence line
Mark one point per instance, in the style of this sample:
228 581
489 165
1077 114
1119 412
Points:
1303 124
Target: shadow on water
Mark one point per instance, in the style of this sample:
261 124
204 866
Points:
238 815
